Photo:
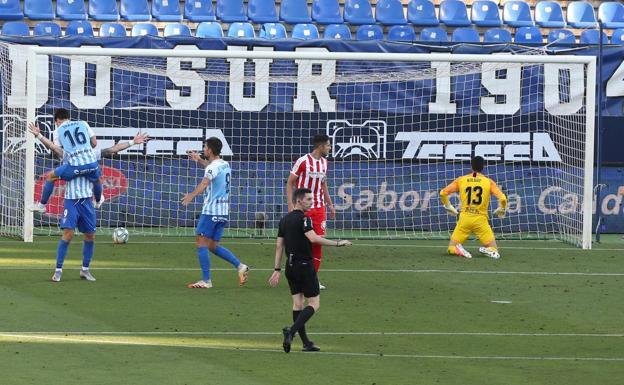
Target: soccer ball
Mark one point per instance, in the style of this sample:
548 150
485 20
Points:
120 235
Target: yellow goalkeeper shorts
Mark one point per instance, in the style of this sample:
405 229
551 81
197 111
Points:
473 224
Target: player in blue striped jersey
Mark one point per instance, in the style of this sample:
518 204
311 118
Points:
214 216
77 140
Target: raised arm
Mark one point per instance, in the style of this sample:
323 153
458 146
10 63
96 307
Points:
444 197
502 200
33 128
194 156
139 138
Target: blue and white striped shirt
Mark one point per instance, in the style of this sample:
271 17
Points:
216 198
78 188
75 139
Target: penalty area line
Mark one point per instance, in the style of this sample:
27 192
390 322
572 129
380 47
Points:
346 354
414 271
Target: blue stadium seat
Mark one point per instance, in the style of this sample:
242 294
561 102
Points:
561 36
401 33
210 29
71 10
485 14
390 12
231 11
166 10
199 10
618 36
433 34
549 14
15 28
358 12
466 35
103 10
369 32
581 14
612 14
497 35
47 28
305 32
591 36
79 28
135 10
262 11
242 30
326 12
11 10
294 11
142 29
337 32
422 13
176 29
454 13
517 14
528 35
112 30
273 31
39 9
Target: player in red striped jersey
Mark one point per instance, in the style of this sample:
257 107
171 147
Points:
310 171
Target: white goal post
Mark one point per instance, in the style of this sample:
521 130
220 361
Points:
428 114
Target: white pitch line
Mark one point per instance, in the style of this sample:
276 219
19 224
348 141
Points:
338 333
352 354
415 271
356 244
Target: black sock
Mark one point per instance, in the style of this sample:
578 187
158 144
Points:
302 330
303 317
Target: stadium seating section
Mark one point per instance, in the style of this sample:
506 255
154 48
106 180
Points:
469 21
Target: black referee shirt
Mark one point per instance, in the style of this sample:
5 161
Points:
292 228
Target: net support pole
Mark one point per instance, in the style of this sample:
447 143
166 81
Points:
599 136
588 169
29 145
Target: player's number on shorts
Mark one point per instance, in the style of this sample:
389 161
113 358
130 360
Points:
478 198
227 182
78 137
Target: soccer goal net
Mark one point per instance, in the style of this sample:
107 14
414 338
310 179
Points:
402 126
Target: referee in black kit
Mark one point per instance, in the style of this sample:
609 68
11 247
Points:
297 235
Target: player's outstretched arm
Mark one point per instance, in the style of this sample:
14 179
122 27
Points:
33 128
277 270
195 157
139 138
444 197
201 187
315 238
502 201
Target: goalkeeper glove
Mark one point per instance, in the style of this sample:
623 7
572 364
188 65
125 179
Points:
451 210
500 212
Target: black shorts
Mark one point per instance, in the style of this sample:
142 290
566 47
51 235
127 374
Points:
302 279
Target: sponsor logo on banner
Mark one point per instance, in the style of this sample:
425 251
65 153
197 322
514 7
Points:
114 184
509 147
366 140
165 141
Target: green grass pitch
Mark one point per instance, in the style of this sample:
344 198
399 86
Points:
395 312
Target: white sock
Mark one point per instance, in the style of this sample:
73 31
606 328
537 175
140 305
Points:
85 268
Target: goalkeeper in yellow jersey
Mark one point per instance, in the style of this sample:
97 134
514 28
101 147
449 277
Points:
474 191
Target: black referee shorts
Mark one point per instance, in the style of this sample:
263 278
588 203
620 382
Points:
302 278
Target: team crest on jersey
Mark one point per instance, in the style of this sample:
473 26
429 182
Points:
324 225
366 140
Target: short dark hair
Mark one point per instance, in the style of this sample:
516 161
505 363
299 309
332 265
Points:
214 144
477 163
61 114
300 193
319 140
